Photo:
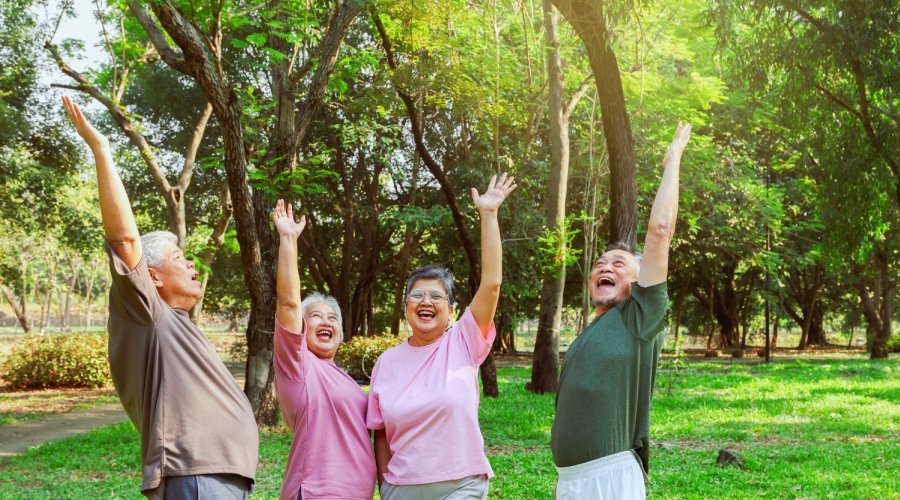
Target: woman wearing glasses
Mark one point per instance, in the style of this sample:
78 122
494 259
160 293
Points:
423 399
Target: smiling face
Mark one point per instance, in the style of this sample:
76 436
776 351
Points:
429 317
611 279
323 330
176 279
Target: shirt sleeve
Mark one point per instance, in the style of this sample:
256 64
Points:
477 346
374 420
132 295
644 313
290 352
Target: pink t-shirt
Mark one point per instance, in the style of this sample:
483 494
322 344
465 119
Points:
426 399
331 455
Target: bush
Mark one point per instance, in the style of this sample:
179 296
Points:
74 360
358 356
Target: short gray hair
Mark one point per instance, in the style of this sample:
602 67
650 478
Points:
153 243
315 298
433 272
619 245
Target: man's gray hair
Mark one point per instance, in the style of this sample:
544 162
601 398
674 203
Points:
315 298
153 244
619 245
433 272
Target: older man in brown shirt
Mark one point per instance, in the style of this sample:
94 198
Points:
198 434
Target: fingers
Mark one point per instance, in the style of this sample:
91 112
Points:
493 182
475 194
290 211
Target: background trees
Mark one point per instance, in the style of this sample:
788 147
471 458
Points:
376 118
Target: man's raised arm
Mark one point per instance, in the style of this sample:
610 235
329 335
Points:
115 210
661 226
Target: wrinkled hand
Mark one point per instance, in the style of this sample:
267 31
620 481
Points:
682 136
497 191
283 216
91 136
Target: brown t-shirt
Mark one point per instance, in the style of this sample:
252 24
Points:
192 415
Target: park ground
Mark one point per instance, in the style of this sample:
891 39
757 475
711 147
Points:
820 425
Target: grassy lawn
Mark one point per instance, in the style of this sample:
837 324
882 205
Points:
807 429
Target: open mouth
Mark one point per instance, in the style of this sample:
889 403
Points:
426 315
325 333
605 282
195 276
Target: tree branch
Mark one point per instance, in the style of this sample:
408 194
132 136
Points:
170 56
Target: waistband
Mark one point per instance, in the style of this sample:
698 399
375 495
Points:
602 464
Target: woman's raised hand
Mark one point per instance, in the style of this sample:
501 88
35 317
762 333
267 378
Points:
497 191
283 216
91 136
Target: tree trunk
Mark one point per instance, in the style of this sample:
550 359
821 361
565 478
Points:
589 22
816 334
20 314
878 308
545 364
216 240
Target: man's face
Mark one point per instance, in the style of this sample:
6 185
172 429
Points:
323 332
176 280
611 279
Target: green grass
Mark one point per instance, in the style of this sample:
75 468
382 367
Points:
807 429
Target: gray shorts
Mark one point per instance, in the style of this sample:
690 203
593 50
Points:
467 488
208 487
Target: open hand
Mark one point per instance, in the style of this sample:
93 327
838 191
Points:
497 191
283 216
91 136
682 136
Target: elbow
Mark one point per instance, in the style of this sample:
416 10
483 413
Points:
124 245
664 228
287 302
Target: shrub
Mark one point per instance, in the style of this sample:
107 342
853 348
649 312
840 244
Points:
74 360
358 356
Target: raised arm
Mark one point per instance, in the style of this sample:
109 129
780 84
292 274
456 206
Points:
484 304
661 226
287 283
115 210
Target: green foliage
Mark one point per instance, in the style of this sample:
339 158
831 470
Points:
557 250
358 356
76 360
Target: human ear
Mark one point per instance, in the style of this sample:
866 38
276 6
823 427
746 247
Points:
155 277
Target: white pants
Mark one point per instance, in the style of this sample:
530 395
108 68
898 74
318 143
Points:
614 477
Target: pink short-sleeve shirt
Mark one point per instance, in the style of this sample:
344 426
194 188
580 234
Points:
426 399
331 455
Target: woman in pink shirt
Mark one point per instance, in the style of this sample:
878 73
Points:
331 454
423 398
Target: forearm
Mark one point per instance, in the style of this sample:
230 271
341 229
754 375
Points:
287 284
484 303
382 454
665 205
661 226
491 251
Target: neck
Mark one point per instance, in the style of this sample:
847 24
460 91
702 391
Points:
422 341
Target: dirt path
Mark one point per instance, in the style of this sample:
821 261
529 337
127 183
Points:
17 438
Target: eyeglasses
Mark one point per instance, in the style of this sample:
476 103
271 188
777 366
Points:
417 296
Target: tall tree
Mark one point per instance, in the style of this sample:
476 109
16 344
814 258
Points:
198 35
545 368
588 18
